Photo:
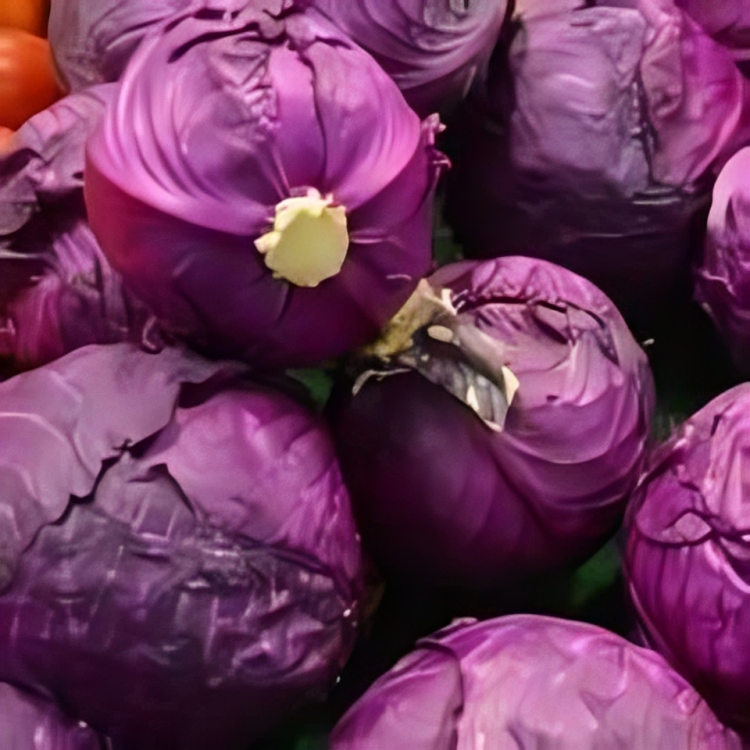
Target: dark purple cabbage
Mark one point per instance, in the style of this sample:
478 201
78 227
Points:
722 283
529 682
433 49
28 722
264 114
595 143
687 559
180 565
57 290
457 480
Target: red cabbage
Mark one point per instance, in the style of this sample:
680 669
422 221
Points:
529 682
28 722
177 529
433 49
92 40
57 290
722 283
263 186
728 21
595 143
456 477
687 553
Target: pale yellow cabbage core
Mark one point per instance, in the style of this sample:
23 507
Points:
309 240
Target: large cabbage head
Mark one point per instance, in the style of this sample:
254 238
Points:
180 565
57 290
722 283
261 183
433 49
28 722
527 682
599 131
687 553
497 427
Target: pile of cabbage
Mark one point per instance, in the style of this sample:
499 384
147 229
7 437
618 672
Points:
348 352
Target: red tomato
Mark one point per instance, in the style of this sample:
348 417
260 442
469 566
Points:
27 77
29 15
5 135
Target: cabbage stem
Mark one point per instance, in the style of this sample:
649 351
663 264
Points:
309 239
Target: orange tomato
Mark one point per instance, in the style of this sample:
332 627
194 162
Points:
27 77
29 15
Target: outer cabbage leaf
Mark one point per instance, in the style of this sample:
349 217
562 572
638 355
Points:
42 163
62 421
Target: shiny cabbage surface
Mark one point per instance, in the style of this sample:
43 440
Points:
444 498
526 682
433 49
260 109
170 525
687 552
57 290
28 722
722 283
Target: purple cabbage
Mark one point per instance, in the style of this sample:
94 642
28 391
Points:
728 21
92 40
722 283
278 208
528 682
686 559
433 49
173 527
496 429
595 142
30 723
57 290
42 164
